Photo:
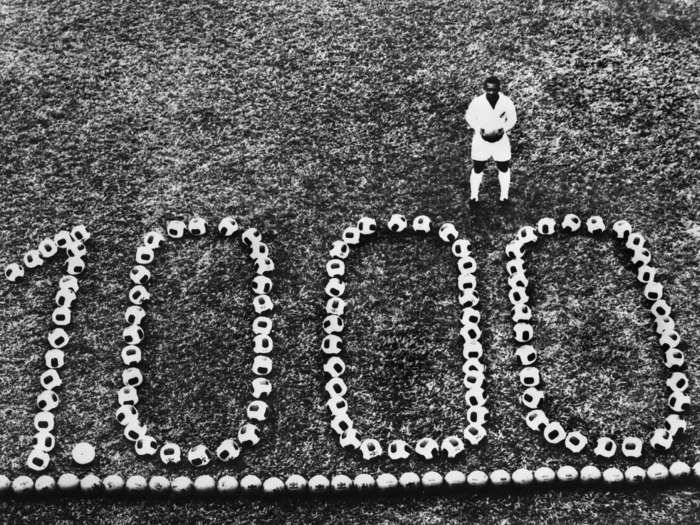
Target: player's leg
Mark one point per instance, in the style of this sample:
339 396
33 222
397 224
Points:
480 155
501 155
503 178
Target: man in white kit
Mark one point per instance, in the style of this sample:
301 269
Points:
491 115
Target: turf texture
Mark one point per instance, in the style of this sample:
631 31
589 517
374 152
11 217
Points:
298 118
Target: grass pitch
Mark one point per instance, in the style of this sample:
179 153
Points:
298 118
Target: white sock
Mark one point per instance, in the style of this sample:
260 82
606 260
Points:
474 183
504 181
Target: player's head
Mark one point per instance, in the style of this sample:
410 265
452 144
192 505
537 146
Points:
492 85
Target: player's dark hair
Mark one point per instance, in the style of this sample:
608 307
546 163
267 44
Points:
492 80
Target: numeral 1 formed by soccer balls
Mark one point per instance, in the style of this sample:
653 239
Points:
477 413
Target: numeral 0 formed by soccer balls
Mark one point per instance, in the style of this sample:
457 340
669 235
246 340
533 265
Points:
473 368
257 410
523 333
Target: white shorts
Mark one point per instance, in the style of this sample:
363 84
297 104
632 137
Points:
482 150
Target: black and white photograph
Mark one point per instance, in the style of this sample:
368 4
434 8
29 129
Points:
349 262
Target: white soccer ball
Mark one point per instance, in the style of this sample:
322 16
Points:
622 229
170 453
334 367
38 460
262 365
605 447
523 332
370 449
536 420
131 355
448 233
461 248
367 226
139 274
258 410
675 425
421 223
335 287
261 387
227 226
175 229
145 255
61 316
351 236
319 484
132 334
678 401
262 344
452 446
571 223
197 226
226 485
262 303
398 449
134 430
138 295
531 398
132 377
126 414
335 268
349 439
554 432
657 472
48 248
248 434
146 446
427 448
32 259
474 434
387 482
228 449
199 456
529 376
339 250
595 224
47 400
590 474
544 475
127 395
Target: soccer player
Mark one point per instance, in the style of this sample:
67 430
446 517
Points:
491 115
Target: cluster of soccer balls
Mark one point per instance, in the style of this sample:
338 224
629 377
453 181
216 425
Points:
332 344
73 244
526 354
297 485
257 410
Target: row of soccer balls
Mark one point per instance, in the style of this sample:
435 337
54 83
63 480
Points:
529 375
73 243
297 485
257 410
331 345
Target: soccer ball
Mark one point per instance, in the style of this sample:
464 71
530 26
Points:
518 295
531 398
337 405
678 401
515 266
632 447
262 344
134 430
474 434
635 241
61 316
367 226
273 485
387 482
657 472
68 282
677 382
421 223
47 400
48 248
431 480
134 315
575 442
595 224
262 365
175 229
227 226
54 358
127 395
65 297
398 449
635 475
38 460
448 232
340 250
640 256
334 367
295 484
536 420
605 447
144 255
335 306
397 223
32 259
126 414
653 291
257 410
544 475
63 238
590 474
45 484
319 484
335 268
679 469
468 298
470 332
131 355
153 240
44 440
228 449
262 285
675 425
140 274
546 226
139 295
571 223
461 248
472 350
261 387
646 273
521 312
515 249
455 479
477 415
132 377
76 249
370 449
622 229
523 332
466 265
134 484
470 315
335 287
199 456
499 478
527 234
409 481
427 448
473 379
248 434
332 345
75 265
349 439
613 475
475 397
146 446
351 235
341 423
661 439
58 338
262 304
477 478
159 484
669 340
341 483
170 453
197 226
664 325
263 265
333 324
554 432
133 334
522 477
258 250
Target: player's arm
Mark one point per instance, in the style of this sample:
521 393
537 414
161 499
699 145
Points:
511 117
471 117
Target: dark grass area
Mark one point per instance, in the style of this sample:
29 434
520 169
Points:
298 118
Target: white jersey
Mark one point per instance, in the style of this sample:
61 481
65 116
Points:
480 115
